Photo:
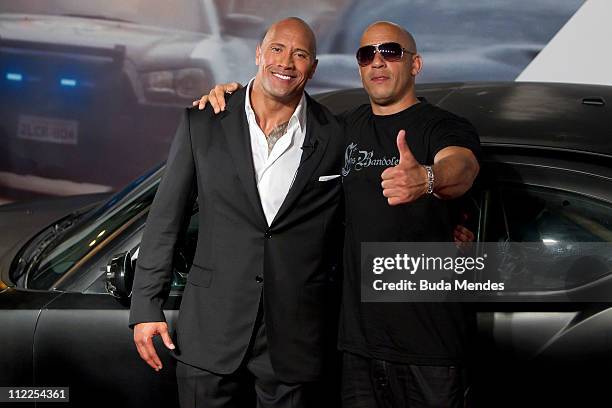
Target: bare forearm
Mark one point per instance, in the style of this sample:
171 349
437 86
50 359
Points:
454 175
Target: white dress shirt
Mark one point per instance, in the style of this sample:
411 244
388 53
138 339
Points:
276 171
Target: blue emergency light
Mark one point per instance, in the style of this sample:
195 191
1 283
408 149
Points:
68 82
13 76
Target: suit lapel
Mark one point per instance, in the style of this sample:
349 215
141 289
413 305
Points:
236 128
315 144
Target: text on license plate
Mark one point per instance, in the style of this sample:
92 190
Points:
48 129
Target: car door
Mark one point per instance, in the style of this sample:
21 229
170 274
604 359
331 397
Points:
566 205
19 313
82 339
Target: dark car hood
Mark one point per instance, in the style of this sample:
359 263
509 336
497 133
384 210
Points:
138 39
20 222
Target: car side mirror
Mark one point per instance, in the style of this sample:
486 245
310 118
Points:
120 275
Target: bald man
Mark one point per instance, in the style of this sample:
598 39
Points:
402 354
259 310
399 354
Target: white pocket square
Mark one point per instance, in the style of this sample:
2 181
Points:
327 178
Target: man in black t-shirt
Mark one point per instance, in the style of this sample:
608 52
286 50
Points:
401 354
419 157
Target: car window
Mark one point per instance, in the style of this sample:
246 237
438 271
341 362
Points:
542 215
562 236
92 235
183 258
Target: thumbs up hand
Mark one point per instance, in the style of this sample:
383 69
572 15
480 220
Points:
407 181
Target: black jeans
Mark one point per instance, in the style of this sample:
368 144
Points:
371 383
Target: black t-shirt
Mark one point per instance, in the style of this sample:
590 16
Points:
412 333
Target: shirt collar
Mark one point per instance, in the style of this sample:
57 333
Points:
298 115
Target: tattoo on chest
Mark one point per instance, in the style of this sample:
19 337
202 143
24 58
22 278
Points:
276 134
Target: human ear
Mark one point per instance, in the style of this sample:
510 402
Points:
417 65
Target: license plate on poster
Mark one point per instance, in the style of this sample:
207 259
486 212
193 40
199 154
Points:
49 130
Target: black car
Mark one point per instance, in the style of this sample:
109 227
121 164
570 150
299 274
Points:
547 155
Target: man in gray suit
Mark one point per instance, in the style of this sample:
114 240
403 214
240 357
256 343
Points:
260 298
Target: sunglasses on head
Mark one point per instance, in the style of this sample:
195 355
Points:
390 52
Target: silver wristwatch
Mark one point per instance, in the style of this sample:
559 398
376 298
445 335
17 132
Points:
430 180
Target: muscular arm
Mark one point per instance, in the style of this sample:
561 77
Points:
455 169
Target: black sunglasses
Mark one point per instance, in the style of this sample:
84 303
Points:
390 51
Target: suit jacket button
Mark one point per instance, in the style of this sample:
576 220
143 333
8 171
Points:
268 235
258 279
